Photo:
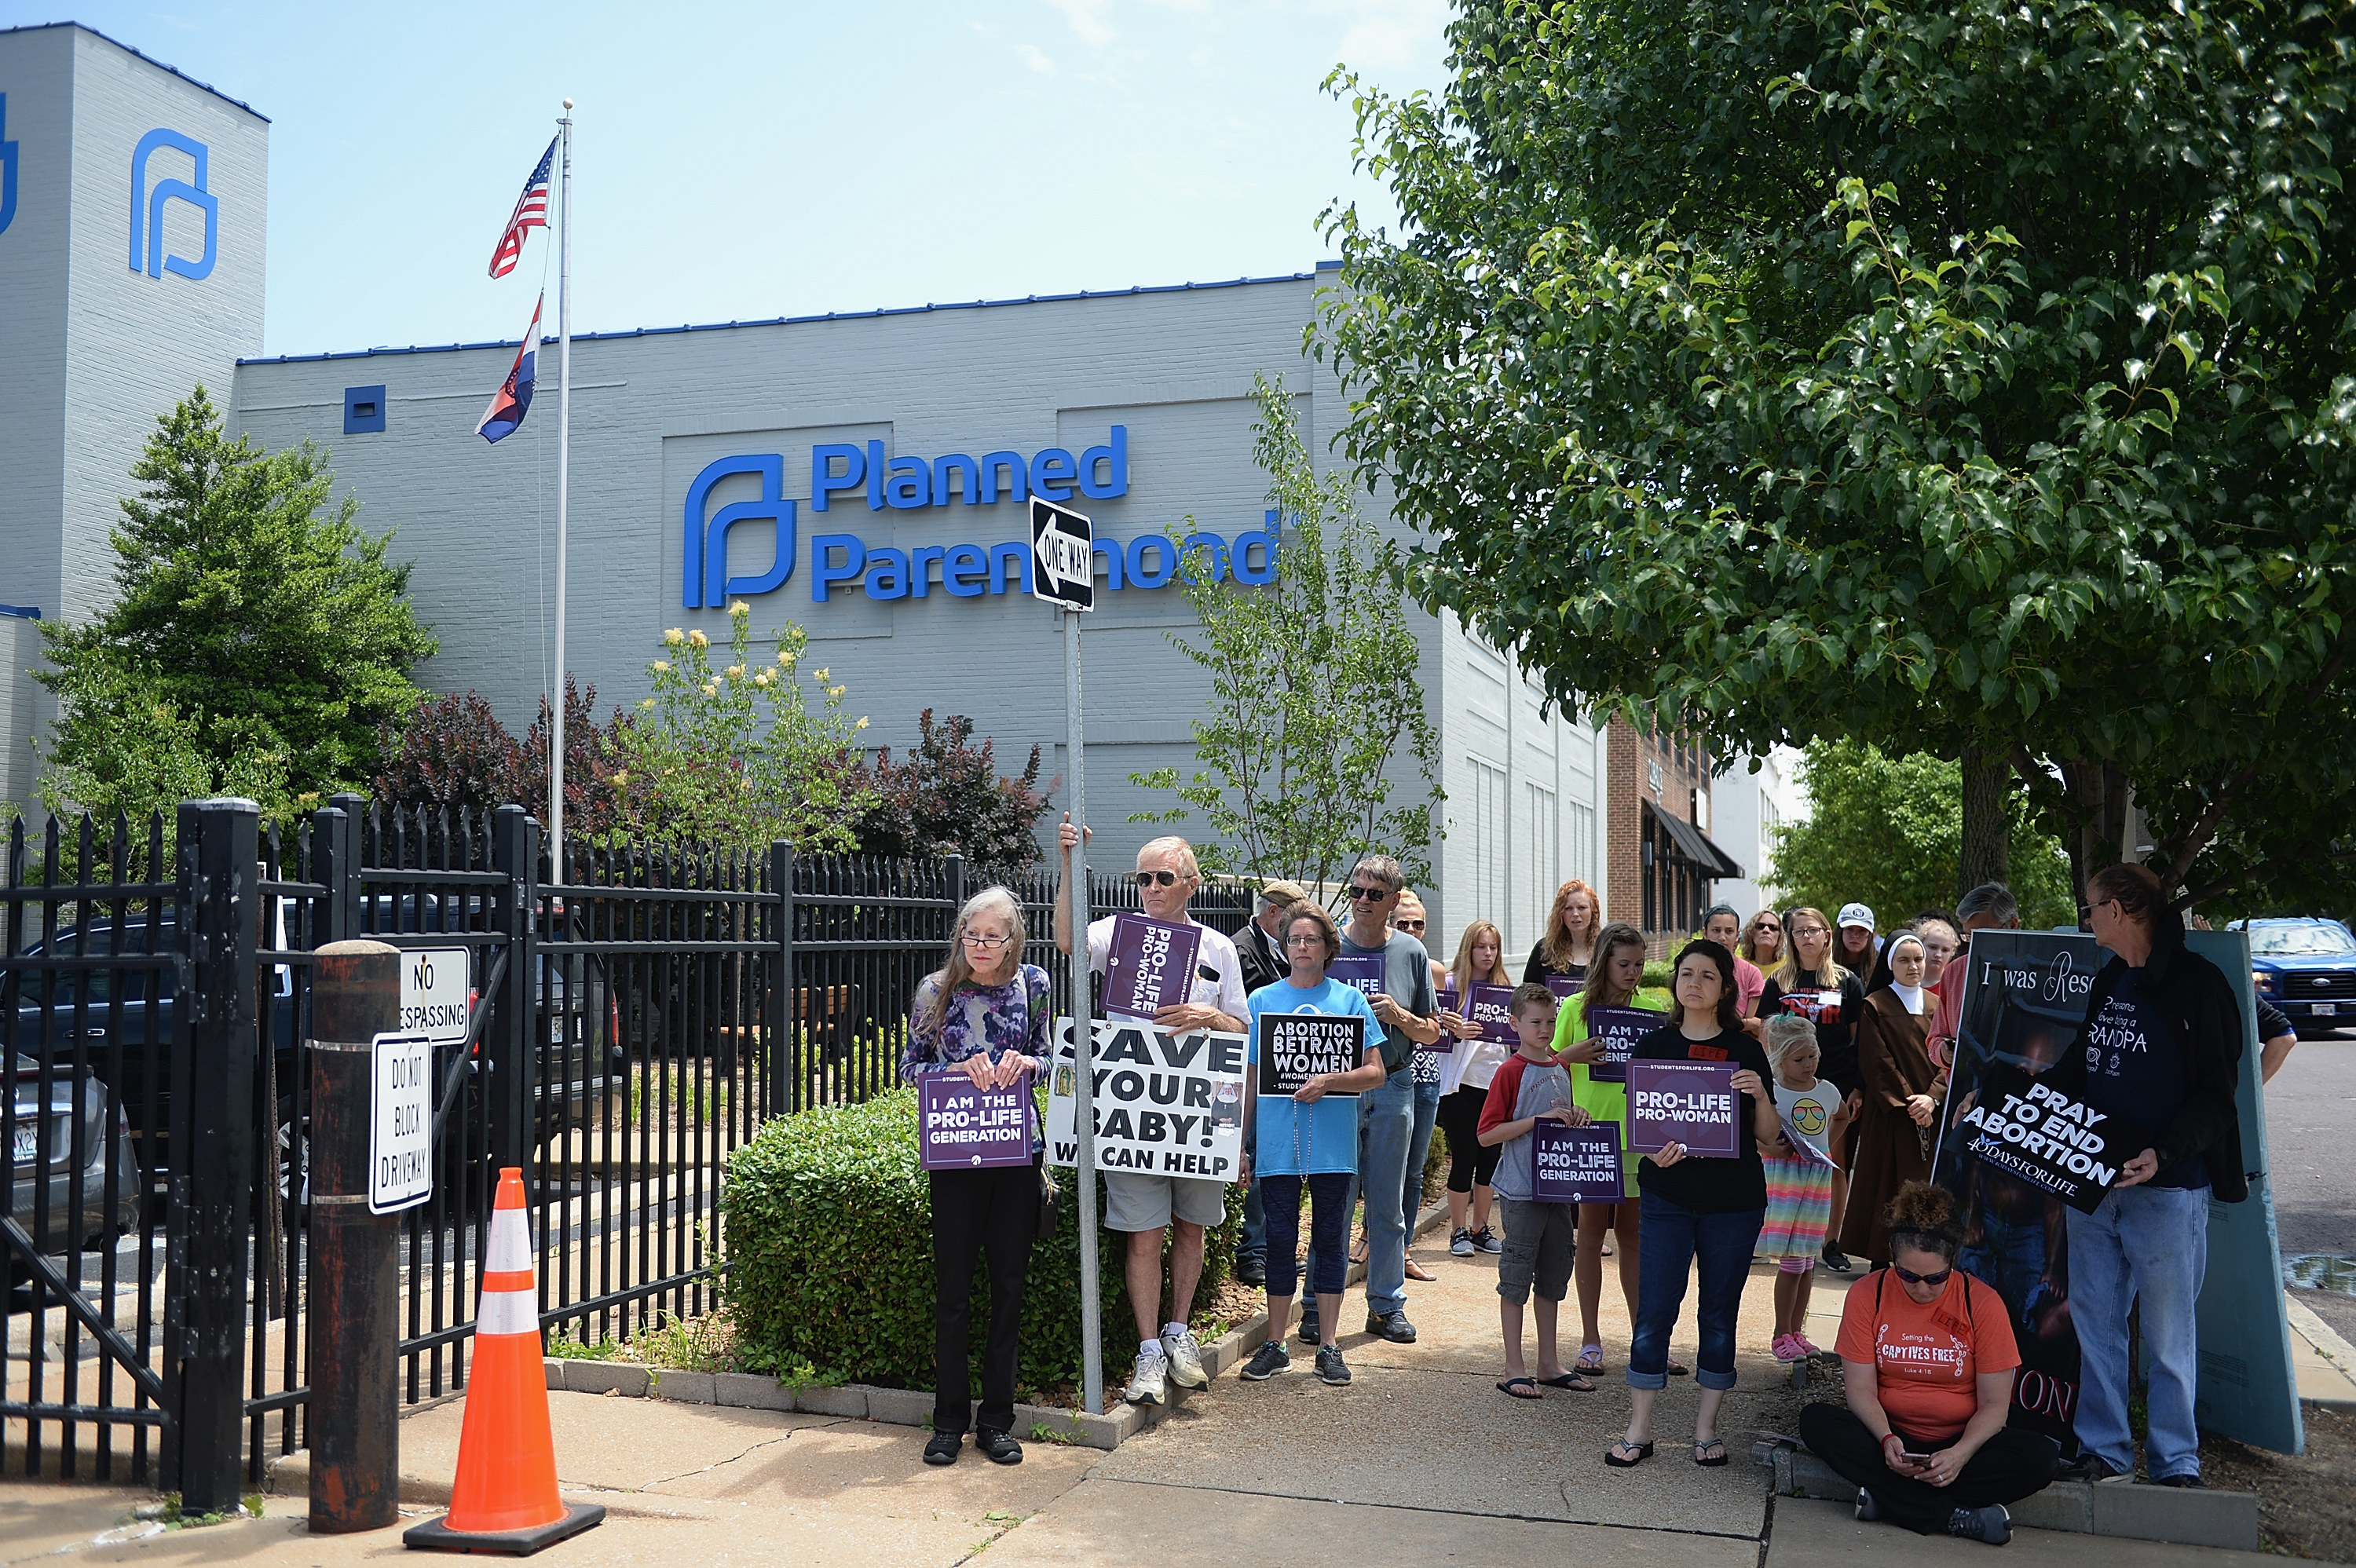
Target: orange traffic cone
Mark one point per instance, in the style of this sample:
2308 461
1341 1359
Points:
504 1499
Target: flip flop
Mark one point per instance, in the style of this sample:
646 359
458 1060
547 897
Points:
1511 1388
1643 1451
1678 1368
1417 1271
1570 1380
1590 1360
1704 1443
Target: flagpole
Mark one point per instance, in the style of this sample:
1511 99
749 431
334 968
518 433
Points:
563 469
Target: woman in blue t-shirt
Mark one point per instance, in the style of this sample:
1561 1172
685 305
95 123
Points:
1308 1138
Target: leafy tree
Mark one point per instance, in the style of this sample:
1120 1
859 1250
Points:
1969 377
1888 831
948 797
139 753
454 751
269 628
1316 689
735 753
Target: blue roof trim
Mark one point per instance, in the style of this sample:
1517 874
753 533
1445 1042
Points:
787 320
21 611
159 65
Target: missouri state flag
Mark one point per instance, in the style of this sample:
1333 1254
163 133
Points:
513 400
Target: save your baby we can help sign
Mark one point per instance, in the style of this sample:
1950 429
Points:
1168 1102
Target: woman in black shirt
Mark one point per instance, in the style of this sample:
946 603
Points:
1569 945
1698 1209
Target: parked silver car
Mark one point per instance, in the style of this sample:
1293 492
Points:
44 1179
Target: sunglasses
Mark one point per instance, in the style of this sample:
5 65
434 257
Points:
2086 912
1409 924
1150 879
1911 1277
1368 895
1766 925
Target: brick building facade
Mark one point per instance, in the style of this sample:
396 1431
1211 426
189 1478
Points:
1659 859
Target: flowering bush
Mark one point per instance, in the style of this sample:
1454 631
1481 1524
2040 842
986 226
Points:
731 748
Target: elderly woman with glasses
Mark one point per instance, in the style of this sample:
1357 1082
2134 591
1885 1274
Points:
984 1016
1927 1362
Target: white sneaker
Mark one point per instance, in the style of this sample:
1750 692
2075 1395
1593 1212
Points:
1146 1386
1185 1358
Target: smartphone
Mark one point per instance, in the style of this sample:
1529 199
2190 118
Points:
1912 1457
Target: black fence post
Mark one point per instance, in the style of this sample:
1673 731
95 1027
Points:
509 1044
777 1022
343 878
214 1047
953 870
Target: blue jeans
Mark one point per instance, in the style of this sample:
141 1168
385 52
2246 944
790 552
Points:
1671 1239
1251 1251
1418 1149
1329 1236
2012 1257
2147 1245
1385 1125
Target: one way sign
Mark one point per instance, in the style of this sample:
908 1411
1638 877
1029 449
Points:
1063 559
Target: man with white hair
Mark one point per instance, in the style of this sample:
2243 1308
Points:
1144 1206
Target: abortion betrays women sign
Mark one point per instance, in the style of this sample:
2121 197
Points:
1166 1103
2017 1154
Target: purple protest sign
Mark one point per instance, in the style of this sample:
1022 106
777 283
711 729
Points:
1688 1103
1444 998
1492 1009
1149 965
1575 1164
960 1127
1360 971
1563 987
1618 1028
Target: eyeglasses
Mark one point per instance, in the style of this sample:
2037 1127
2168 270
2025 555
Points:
1911 1277
986 944
1409 924
1811 929
1311 940
1368 895
1147 879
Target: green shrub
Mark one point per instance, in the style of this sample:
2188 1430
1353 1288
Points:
828 1237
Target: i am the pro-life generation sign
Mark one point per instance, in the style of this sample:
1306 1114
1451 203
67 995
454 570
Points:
1575 1164
1687 1103
401 1122
961 1126
1165 1103
1618 1028
1293 1047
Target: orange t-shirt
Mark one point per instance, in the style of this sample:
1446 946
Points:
1925 1357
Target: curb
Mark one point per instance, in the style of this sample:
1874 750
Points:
291 1473
2124 1512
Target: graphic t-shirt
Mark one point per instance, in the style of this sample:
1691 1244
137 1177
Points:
1294 1139
1809 1112
1833 1010
2135 1071
1925 1358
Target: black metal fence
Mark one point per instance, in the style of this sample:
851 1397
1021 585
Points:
631 1019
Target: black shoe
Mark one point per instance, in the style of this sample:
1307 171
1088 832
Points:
1866 1508
1992 1524
997 1447
1253 1274
1391 1325
2091 1467
943 1448
2190 1481
1834 1258
1331 1368
1310 1334
1270 1358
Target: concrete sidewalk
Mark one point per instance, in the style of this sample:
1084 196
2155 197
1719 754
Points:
1419 1459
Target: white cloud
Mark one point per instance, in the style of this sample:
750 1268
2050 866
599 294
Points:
1036 60
1090 19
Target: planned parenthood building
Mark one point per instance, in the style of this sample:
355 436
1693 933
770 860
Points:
861 474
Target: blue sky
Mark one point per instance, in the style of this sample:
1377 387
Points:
735 162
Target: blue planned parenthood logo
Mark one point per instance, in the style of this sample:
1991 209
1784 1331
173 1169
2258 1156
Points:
703 578
147 207
7 170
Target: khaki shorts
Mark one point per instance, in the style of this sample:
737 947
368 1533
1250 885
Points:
1138 1202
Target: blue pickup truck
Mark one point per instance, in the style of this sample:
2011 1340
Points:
2306 966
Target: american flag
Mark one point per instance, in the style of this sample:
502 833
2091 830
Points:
531 212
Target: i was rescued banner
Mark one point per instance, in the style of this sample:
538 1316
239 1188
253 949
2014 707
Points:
1166 1102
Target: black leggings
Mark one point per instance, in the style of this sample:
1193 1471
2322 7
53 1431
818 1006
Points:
994 1210
1469 1165
2008 1466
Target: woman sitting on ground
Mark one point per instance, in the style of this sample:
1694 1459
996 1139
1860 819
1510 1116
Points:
1928 1356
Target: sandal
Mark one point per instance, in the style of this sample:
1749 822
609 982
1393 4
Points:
1678 1368
1590 1360
1512 1388
1417 1271
1570 1380
1358 1253
1638 1452
1701 1443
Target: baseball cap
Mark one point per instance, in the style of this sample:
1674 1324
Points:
1284 892
1856 914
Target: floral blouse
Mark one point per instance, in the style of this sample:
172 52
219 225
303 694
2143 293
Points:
992 1019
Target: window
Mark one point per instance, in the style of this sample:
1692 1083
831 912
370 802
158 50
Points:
1582 843
1488 868
363 409
1545 857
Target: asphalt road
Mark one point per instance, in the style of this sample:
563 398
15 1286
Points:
2310 1108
